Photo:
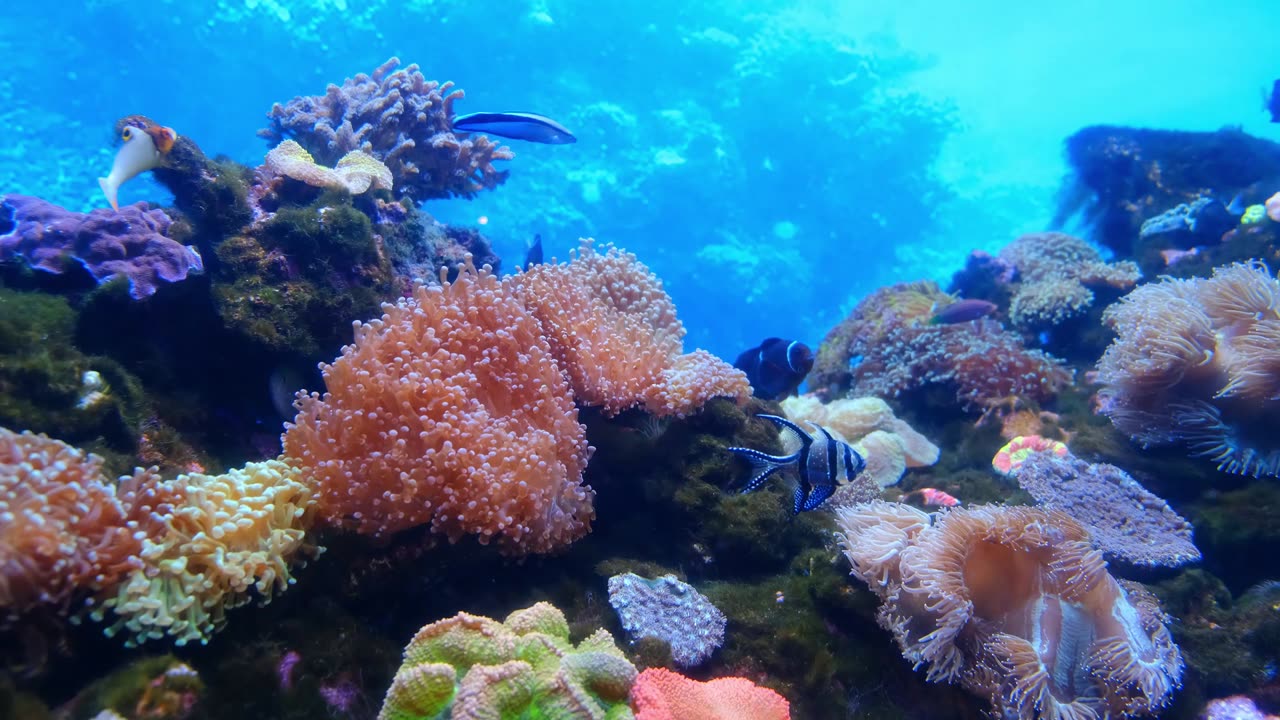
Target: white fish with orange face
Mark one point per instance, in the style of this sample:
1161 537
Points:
138 154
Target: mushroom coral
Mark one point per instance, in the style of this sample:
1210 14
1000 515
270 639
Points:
1013 604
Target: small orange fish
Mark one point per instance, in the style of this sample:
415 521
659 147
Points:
932 497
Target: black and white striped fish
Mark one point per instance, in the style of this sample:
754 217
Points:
822 462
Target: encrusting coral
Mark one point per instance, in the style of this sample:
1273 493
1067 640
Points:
449 411
1013 604
469 667
1198 362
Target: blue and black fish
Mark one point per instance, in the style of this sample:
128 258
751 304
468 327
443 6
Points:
776 367
822 462
517 126
1273 102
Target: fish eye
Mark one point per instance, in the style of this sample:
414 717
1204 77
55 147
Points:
128 133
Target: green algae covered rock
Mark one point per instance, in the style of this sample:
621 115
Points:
469 667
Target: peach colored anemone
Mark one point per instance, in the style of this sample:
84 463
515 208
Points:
1014 605
660 694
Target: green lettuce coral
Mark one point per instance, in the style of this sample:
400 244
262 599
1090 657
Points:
468 667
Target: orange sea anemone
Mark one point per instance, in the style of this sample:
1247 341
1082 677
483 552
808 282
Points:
1013 604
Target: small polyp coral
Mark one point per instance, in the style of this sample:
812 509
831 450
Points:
469 667
1056 276
1013 604
1198 362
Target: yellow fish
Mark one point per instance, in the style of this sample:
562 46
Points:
144 148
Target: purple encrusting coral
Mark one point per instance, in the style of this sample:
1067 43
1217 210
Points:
1127 522
132 242
402 119
668 610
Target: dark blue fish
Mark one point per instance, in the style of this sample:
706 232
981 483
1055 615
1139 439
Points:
515 125
533 254
822 461
776 367
1273 102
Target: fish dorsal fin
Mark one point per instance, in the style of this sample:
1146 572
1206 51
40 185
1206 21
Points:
806 440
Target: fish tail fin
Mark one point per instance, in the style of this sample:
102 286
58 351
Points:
109 189
818 494
1237 206
762 466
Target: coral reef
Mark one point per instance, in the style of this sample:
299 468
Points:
660 694
1023 447
1124 176
468 667
614 331
886 347
1056 276
401 119
1125 520
450 411
132 243
1013 604
1198 362
671 611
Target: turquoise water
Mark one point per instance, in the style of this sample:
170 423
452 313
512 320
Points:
790 155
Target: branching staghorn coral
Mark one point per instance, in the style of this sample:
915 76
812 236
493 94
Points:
1198 362
1014 605
401 119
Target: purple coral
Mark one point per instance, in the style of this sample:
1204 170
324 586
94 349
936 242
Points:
402 119
1126 521
132 242
668 610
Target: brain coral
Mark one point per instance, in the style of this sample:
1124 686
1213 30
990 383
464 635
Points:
469 667
1014 605
448 411
1198 362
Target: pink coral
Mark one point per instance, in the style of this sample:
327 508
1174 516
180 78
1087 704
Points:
660 694
449 411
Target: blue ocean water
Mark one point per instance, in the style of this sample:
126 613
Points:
771 161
